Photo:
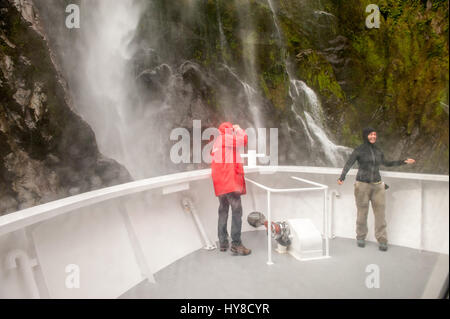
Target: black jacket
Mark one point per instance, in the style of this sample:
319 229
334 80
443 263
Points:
369 158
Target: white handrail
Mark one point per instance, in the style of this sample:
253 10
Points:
18 220
325 218
283 190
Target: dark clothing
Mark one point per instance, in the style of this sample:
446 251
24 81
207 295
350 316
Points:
368 186
369 158
233 199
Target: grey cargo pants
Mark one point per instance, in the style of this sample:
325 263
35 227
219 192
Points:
376 194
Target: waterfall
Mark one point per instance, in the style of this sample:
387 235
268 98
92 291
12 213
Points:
223 40
136 78
104 76
247 35
275 21
294 94
310 100
251 95
306 101
252 99
315 129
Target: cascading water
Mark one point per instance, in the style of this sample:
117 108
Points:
252 97
310 100
304 95
275 21
223 39
293 93
248 35
136 79
131 128
104 77
305 101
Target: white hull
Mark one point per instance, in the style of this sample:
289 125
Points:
119 236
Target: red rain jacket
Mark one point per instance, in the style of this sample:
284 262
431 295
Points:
227 167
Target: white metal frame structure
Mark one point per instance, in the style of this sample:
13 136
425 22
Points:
325 225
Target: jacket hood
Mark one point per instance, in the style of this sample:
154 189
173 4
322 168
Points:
365 134
224 126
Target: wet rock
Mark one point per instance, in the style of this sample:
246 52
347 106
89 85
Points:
29 121
7 67
74 191
22 97
8 204
25 7
24 60
6 40
96 182
152 83
47 152
145 59
303 54
37 101
108 175
52 160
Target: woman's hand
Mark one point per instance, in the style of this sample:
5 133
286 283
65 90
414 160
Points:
340 182
410 161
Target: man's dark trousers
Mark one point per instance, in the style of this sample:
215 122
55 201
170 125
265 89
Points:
233 200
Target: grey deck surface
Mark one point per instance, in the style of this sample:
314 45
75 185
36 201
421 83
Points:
404 273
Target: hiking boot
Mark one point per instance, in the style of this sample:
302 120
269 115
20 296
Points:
224 246
240 250
361 243
383 247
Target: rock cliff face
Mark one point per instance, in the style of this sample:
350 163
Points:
46 150
136 71
394 78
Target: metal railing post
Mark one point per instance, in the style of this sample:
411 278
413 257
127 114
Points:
269 231
326 220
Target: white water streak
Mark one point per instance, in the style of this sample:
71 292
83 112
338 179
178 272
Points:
105 85
252 99
312 109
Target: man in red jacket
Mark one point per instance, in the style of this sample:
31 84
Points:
227 173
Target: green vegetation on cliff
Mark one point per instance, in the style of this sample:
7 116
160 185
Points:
399 75
394 78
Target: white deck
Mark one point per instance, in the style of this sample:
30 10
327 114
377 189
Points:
120 236
403 273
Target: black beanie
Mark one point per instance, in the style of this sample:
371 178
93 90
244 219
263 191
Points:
366 133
